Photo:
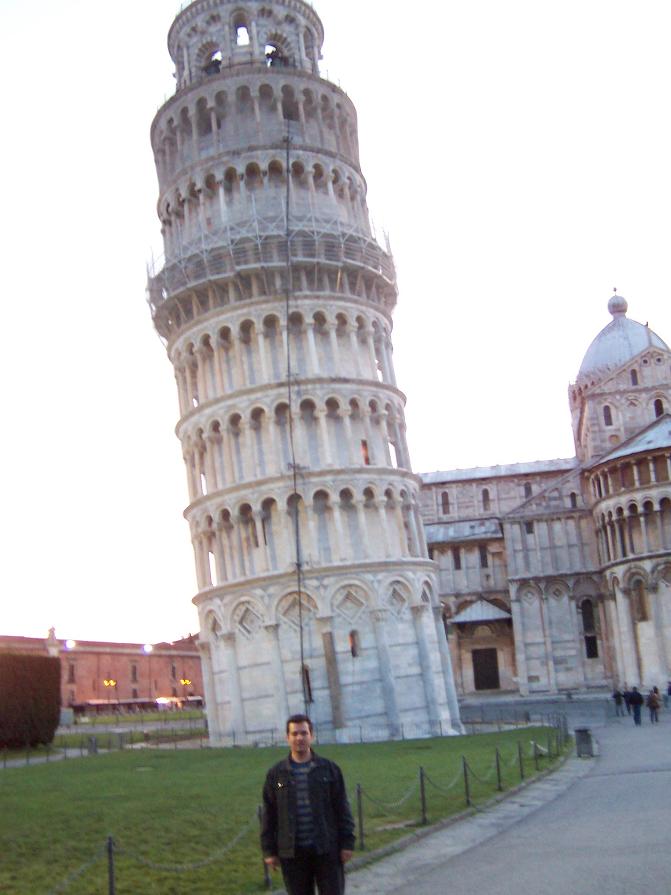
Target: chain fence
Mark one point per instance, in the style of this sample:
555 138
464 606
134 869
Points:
458 788
476 787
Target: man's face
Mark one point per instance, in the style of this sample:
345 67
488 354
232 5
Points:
299 738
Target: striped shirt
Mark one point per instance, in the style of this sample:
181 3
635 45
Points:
304 822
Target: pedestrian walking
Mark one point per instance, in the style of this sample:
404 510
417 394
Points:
667 695
653 703
307 827
626 695
618 696
636 701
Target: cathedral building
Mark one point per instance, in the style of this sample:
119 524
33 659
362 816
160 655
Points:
556 575
275 301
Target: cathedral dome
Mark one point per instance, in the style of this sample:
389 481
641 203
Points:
617 343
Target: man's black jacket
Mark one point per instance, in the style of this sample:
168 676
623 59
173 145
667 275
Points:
331 815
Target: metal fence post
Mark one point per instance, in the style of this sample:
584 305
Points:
422 795
467 789
535 755
520 758
499 784
267 881
111 889
359 808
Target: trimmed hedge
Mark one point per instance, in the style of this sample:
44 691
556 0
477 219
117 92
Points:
30 699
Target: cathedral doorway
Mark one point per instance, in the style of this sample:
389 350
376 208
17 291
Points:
485 669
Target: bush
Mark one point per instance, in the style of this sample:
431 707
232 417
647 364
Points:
30 700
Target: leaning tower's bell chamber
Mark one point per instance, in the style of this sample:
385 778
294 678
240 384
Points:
275 305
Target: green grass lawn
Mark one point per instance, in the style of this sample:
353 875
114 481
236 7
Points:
180 807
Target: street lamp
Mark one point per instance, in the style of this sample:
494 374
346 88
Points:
185 682
110 682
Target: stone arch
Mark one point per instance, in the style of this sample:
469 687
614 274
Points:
247 617
213 624
287 608
267 103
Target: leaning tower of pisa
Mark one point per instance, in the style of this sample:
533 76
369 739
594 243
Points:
275 304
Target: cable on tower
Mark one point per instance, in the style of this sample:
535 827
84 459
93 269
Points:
288 289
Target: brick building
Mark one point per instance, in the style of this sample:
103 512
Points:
97 673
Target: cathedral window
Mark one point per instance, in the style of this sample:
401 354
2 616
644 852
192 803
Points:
71 673
486 502
659 407
354 643
527 489
456 558
484 559
529 528
445 503
365 456
574 500
607 415
589 630
634 377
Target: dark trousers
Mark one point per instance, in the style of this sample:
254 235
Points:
306 869
637 714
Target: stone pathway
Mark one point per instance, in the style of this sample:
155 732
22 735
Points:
596 826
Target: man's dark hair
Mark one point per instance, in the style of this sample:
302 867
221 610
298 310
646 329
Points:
299 719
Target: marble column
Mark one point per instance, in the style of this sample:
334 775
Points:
448 671
277 671
378 618
238 730
520 647
418 616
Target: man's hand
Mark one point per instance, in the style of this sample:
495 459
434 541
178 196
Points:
345 855
274 862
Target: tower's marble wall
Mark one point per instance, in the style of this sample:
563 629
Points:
275 304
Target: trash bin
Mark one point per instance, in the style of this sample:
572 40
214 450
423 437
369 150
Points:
93 746
584 745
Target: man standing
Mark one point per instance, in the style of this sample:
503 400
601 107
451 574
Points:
307 826
636 701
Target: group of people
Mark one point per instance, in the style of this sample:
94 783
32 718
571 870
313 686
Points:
632 700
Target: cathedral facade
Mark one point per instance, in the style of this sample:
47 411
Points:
556 575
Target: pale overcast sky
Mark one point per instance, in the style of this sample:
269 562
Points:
518 154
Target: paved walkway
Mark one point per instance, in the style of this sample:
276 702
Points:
596 826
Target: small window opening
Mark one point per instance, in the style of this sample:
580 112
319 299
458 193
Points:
275 56
634 377
529 528
133 674
242 36
591 647
445 503
484 559
354 644
607 416
528 490
486 502
659 408
135 693
456 558
307 684
173 671
365 456
213 67
71 673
